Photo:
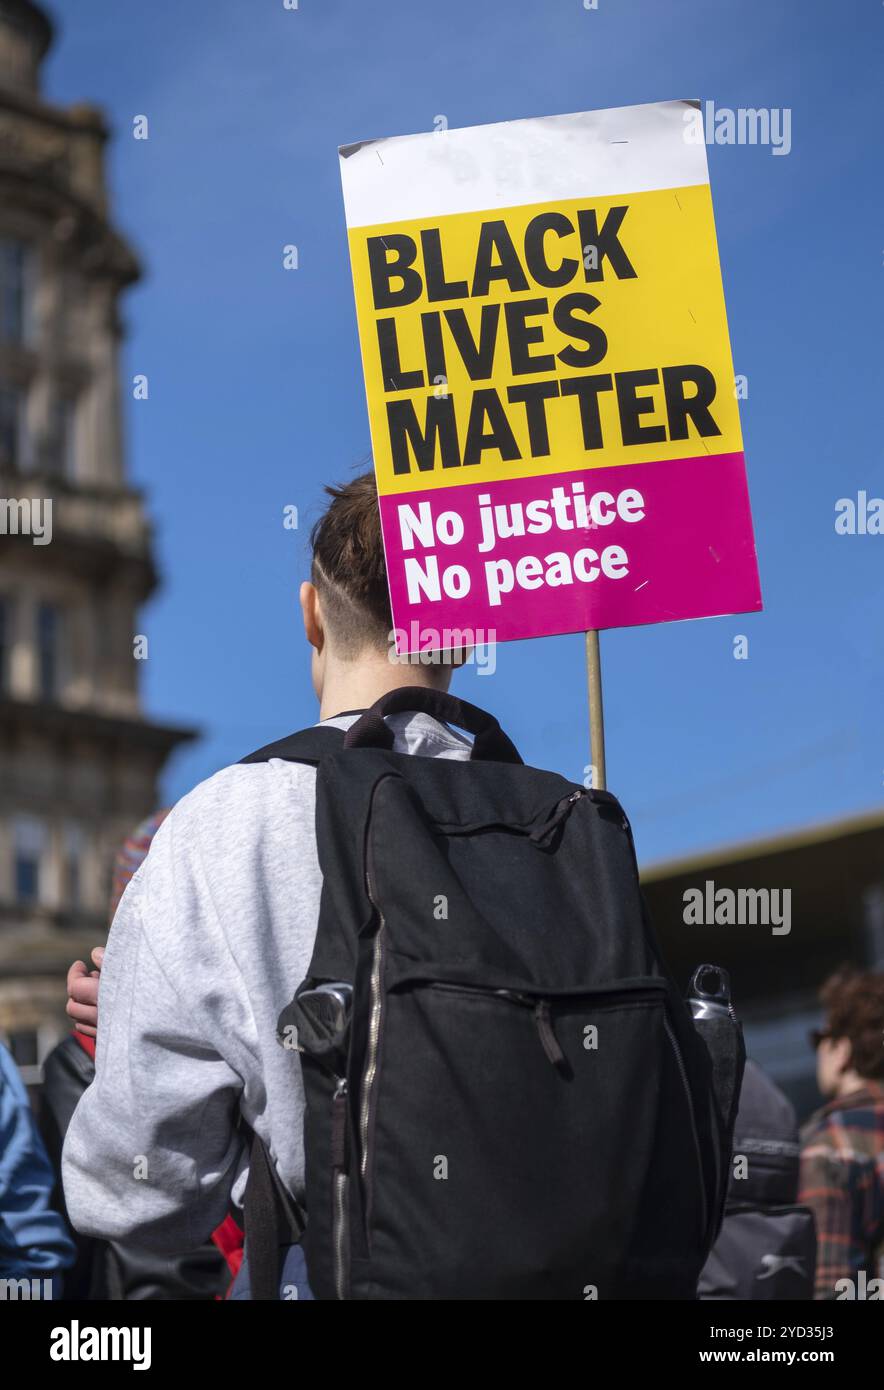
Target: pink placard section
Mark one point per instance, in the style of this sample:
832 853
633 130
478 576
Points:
605 547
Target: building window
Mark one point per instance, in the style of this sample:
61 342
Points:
15 295
74 855
29 849
63 440
48 650
14 440
24 1046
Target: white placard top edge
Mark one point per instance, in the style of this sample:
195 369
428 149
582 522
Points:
590 154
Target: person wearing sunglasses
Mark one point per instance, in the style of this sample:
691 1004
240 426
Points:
842 1156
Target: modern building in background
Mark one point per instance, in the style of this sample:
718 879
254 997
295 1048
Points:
834 874
79 762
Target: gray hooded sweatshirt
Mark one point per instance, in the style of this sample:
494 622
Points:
213 935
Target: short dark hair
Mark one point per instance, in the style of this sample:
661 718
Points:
854 1004
349 569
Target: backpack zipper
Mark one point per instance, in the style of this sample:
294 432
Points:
374 1036
562 810
340 1187
540 1009
340 1232
540 1006
375 995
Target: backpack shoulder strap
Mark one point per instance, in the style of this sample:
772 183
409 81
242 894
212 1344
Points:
272 1220
306 746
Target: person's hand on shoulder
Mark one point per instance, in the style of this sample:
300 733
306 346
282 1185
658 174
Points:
82 1005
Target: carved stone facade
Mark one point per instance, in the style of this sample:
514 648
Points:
79 762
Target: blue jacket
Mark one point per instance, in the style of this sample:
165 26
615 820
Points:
34 1242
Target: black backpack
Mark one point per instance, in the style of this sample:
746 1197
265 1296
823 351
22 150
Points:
766 1249
507 1097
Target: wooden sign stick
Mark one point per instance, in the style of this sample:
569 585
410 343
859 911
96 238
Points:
596 710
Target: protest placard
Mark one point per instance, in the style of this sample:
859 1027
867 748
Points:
551 395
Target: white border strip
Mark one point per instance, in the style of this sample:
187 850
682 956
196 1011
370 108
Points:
593 154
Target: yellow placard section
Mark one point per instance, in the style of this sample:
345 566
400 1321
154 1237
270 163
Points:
537 339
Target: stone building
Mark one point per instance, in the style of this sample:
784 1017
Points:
79 761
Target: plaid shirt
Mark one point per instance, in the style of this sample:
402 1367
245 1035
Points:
842 1180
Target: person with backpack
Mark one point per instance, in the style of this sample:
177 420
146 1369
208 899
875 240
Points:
421 976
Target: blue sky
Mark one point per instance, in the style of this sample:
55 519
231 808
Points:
256 394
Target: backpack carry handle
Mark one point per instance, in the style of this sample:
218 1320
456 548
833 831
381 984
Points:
490 743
